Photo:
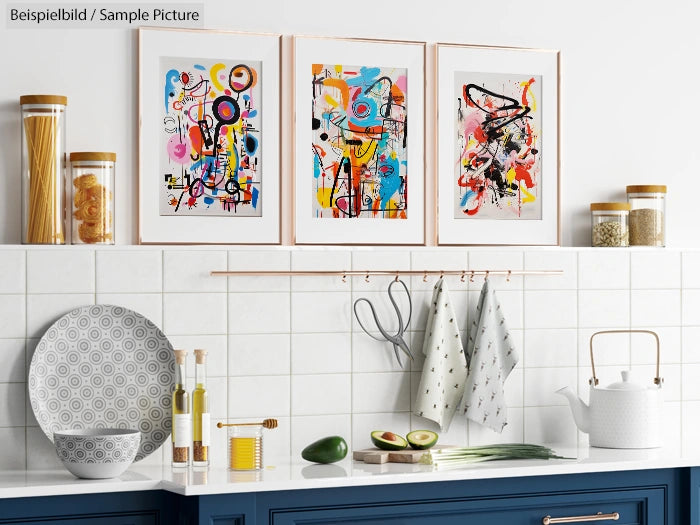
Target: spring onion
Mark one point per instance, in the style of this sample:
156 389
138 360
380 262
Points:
457 457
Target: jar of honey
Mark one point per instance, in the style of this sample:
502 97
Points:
245 447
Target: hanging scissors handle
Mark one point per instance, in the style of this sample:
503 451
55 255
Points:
396 306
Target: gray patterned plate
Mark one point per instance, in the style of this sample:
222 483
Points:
104 366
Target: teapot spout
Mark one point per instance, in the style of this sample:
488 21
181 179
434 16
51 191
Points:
580 410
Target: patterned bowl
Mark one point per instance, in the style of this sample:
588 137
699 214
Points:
96 453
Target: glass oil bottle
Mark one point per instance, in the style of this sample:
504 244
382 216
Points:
181 416
201 421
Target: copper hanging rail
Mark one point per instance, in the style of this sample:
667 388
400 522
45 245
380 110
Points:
367 273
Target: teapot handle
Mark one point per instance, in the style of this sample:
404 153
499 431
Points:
657 380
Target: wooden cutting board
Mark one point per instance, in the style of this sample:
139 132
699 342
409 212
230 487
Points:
375 455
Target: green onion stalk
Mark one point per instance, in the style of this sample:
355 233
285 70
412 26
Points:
457 457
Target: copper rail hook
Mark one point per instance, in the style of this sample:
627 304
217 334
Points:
508 276
461 279
425 276
396 279
367 276
471 277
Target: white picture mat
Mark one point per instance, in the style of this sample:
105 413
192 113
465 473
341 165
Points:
498 231
154 228
409 55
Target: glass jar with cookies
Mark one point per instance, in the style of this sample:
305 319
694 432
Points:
92 197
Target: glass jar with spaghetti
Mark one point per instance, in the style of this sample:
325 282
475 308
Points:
92 197
43 168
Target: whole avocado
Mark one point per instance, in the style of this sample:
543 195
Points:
326 450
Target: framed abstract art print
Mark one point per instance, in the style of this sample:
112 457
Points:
497 145
209 137
359 141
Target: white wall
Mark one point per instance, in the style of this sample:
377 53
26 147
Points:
629 70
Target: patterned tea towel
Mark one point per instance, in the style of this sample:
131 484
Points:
445 369
491 357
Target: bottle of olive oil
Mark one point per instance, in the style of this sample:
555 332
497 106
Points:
200 412
182 418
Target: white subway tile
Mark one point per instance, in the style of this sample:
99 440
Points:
604 308
369 355
656 308
13 310
454 435
320 394
12 354
13 457
41 453
550 347
12 400
60 271
261 354
497 260
512 433
308 429
690 383
442 259
549 309
608 349
217 388
321 353
258 396
656 269
13 277
644 345
690 262
671 433
260 313
259 260
320 259
194 313
132 271
150 305
216 347
514 387
188 271
551 425
603 269
690 307
691 426
566 261
542 383
44 309
364 424
691 344
377 259
671 374
321 312
381 392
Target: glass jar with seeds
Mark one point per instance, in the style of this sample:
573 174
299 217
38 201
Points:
609 224
647 214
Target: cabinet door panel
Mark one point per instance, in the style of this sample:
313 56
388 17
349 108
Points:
636 507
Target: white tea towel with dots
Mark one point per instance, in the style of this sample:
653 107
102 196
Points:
445 368
491 356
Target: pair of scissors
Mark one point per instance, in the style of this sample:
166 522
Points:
396 339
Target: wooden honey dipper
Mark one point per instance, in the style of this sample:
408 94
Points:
267 423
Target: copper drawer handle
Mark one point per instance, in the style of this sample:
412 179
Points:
614 516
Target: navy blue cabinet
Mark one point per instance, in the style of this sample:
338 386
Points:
645 497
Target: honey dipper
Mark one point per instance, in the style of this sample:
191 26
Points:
267 423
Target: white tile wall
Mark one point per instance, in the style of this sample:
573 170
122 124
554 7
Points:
290 348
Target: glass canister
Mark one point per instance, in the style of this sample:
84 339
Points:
43 169
245 447
647 215
92 197
609 224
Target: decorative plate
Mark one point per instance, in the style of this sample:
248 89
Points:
104 366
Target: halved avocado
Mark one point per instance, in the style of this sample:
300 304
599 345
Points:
421 439
388 440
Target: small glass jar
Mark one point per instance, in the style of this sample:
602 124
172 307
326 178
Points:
245 447
647 215
92 197
43 169
609 224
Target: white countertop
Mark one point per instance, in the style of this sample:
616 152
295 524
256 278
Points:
298 474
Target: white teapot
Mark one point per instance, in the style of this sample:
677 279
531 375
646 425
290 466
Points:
623 414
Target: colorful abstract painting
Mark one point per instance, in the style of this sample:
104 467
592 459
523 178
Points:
210 162
499 146
359 124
